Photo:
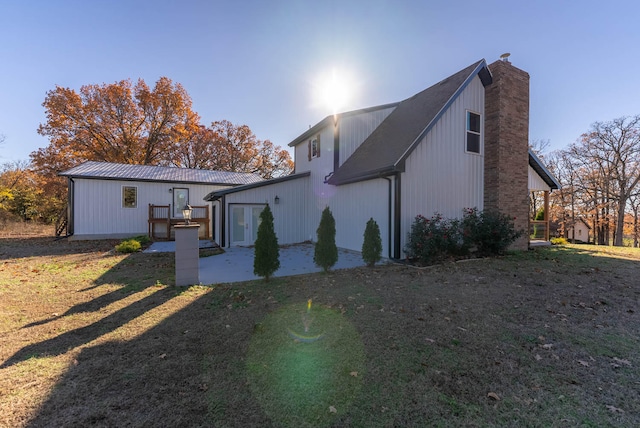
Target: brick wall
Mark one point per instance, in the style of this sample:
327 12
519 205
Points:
506 137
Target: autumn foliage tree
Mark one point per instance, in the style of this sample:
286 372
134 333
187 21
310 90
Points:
119 122
123 122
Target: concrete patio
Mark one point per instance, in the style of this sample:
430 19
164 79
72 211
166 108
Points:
236 263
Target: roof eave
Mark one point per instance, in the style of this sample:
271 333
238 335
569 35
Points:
544 173
369 175
329 121
217 194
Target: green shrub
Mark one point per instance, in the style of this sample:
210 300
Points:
559 241
435 238
143 239
267 254
128 246
487 233
325 253
372 244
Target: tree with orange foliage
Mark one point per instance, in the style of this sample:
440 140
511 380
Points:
118 122
228 147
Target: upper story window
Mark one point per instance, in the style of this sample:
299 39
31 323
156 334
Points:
314 147
473 132
129 196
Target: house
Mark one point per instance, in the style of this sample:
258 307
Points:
460 143
579 231
110 200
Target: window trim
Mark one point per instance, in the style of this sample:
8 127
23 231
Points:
468 131
315 139
135 197
177 211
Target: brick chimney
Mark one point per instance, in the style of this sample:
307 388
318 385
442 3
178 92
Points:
506 136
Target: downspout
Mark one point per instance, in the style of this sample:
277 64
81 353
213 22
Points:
223 229
396 218
70 207
389 218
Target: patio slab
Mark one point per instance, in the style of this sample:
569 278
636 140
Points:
236 263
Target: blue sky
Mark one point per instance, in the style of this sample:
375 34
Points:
257 62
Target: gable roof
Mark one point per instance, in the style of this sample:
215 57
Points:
543 172
126 172
389 145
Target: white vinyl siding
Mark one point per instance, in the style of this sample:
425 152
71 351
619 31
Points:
536 182
289 215
352 205
440 176
98 209
355 129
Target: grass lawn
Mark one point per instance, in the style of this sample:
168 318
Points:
89 337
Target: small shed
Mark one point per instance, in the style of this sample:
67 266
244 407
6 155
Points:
111 200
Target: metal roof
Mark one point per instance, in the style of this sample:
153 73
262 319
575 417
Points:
117 171
215 195
388 146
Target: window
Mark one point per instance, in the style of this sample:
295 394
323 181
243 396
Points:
180 201
473 132
129 197
314 147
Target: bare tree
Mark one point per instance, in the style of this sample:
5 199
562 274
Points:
611 152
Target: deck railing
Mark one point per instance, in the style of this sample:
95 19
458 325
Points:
161 215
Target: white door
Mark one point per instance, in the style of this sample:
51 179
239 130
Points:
245 220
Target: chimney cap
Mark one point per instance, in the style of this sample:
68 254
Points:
505 56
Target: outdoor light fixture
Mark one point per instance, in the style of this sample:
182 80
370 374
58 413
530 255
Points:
186 213
276 200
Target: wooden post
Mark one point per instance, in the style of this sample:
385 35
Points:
546 215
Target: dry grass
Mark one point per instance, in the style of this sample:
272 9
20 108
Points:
22 229
89 337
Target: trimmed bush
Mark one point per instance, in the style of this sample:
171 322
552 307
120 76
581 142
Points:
559 241
489 231
128 246
267 254
372 244
433 239
325 253
486 233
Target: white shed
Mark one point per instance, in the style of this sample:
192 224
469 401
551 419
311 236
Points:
110 200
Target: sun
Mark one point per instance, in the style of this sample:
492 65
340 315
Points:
334 90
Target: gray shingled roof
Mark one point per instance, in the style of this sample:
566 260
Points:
117 171
388 146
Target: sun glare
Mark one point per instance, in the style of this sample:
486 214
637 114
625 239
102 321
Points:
334 90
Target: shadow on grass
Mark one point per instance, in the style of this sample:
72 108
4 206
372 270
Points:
187 370
64 342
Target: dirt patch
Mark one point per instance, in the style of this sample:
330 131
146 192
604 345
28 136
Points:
543 338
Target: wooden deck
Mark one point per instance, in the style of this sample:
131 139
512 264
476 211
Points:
160 215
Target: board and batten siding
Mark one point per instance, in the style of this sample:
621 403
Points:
98 210
536 183
440 176
289 215
354 129
352 205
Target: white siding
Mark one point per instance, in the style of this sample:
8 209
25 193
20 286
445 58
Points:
352 205
440 176
98 210
536 182
355 129
289 215
322 164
